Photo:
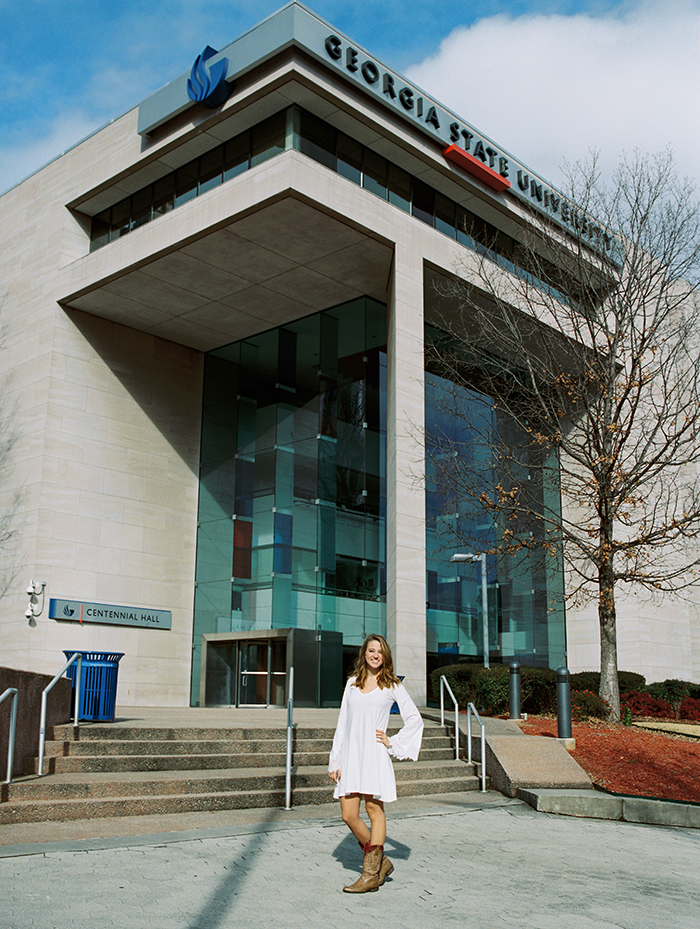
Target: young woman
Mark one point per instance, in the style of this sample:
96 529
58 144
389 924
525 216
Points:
360 764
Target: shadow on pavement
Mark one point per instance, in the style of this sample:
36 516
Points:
218 907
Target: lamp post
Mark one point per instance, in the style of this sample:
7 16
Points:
464 556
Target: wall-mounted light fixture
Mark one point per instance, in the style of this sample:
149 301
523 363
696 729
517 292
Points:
33 592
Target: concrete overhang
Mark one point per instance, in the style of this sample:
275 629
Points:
280 260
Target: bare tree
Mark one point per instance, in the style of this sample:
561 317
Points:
588 351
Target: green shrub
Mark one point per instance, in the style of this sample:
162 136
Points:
590 680
630 680
538 690
492 689
585 704
656 690
674 692
489 688
460 677
585 680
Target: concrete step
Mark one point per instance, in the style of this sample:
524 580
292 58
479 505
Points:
94 747
189 762
98 731
114 770
98 798
65 786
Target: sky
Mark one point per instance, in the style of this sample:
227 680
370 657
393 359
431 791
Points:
547 81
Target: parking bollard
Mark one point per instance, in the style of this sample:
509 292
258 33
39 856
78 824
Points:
563 704
515 690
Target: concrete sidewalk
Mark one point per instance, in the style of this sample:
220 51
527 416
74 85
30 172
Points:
463 859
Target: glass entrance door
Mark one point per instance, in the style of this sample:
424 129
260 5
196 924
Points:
246 673
254 678
278 671
221 674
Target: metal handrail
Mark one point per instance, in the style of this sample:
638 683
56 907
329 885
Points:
14 693
42 722
472 709
290 726
443 684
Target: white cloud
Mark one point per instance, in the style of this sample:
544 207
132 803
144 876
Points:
551 88
20 157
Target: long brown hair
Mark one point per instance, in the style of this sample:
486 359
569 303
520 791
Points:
385 676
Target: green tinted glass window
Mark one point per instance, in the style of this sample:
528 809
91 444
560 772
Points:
211 169
164 195
100 229
237 156
292 487
399 183
141 204
445 215
186 183
268 138
317 140
121 217
349 158
423 202
375 169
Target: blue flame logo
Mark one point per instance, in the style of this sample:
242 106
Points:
208 85
67 610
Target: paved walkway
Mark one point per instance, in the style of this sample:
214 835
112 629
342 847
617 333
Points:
482 861
473 859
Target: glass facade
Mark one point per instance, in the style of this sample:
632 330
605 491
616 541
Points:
292 505
525 591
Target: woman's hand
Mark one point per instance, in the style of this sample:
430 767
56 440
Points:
334 775
382 737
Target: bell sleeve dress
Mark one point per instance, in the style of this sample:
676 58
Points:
365 764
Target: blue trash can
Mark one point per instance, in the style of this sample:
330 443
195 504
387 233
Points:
98 684
395 707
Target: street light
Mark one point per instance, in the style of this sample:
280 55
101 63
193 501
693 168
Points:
464 556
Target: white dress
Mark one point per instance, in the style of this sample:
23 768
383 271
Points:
365 765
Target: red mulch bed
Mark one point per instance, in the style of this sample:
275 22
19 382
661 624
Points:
631 761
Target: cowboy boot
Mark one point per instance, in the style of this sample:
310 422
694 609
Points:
369 879
386 867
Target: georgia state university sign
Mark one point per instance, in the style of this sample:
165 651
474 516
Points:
207 85
211 80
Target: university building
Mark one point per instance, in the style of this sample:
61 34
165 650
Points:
214 318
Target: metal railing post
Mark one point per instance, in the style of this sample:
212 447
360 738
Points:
290 725
443 684
14 693
472 709
77 657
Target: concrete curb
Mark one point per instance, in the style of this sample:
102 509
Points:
504 741
593 804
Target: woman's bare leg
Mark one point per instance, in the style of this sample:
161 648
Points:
350 811
375 811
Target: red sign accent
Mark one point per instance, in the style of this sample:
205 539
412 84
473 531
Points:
473 166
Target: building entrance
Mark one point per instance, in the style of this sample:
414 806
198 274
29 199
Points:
246 673
252 668
262 673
